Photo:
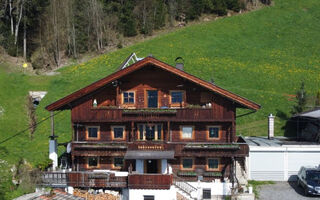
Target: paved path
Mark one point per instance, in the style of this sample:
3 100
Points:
283 191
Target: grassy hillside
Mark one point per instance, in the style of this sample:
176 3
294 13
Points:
263 55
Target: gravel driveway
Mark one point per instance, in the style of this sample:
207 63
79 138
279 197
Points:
283 191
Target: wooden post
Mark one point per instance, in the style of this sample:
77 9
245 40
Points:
168 132
72 163
117 96
132 132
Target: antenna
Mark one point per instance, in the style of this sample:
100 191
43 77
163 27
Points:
130 60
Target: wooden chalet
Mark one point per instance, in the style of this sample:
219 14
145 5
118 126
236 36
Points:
156 122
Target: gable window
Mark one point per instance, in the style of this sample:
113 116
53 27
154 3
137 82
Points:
187 163
186 132
128 97
117 162
118 132
93 162
213 164
213 132
176 97
93 132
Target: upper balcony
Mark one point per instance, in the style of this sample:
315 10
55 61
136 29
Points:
174 115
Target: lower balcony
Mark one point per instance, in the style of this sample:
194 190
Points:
149 181
83 180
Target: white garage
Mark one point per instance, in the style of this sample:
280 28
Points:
279 159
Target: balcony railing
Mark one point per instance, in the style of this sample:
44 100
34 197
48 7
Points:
83 179
149 181
182 114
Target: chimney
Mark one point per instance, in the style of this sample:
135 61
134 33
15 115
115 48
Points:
179 63
270 127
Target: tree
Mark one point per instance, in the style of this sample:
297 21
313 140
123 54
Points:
301 97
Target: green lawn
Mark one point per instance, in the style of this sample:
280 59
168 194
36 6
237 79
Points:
262 55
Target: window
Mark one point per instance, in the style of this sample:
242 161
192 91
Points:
206 194
93 132
213 132
148 197
150 132
128 97
118 132
141 128
213 164
187 132
152 96
159 127
176 97
118 162
93 162
187 163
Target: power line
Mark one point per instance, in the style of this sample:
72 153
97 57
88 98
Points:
33 126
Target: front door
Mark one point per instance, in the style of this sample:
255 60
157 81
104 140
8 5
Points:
152 98
151 166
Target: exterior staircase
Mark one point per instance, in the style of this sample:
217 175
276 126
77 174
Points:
184 188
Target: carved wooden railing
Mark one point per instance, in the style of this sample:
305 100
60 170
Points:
149 181
181 114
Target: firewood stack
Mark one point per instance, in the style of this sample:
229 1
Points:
102 196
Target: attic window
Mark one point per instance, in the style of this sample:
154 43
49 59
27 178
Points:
128 97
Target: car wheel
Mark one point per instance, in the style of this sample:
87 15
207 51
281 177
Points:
306 192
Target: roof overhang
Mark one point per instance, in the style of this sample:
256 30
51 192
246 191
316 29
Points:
311 114
64 102
149 155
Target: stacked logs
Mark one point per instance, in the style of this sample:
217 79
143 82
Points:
108 195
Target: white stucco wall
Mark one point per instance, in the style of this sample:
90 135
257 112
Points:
217 188
137 194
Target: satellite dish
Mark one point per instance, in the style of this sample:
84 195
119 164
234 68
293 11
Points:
69 148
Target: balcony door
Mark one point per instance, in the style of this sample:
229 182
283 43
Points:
152 166
150 132
152 98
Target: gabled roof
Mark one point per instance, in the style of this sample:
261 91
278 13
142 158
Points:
58 105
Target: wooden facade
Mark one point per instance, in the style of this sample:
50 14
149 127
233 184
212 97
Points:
153 107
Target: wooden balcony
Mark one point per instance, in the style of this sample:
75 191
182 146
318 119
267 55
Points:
178 115
149 181
82 179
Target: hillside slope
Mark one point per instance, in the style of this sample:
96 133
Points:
263 55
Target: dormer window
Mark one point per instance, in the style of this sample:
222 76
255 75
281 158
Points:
128 97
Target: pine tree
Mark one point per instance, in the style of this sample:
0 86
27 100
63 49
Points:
301 97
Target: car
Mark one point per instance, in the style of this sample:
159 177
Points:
309 180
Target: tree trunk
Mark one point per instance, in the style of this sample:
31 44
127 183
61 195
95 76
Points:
18 23
24 37
11 18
